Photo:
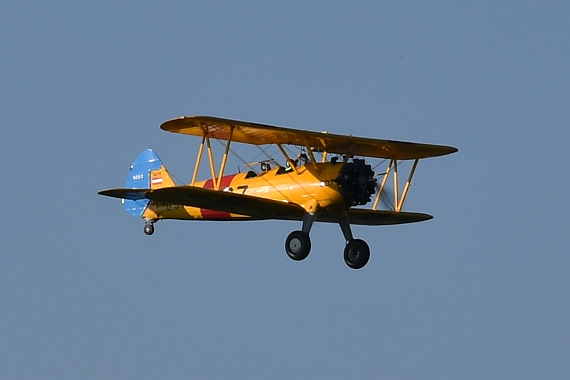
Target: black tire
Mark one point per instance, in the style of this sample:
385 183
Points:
356 253
298 245
148 229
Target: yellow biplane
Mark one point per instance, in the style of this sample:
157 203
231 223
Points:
324 182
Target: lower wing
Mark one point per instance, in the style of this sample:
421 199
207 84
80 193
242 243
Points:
261 208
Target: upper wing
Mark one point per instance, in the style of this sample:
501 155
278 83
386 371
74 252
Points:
255 207
367 217
259 134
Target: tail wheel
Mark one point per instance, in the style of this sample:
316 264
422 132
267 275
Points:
356 253
148 229
298 245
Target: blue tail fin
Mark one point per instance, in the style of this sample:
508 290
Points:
139 178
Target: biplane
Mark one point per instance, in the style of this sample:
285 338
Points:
326 181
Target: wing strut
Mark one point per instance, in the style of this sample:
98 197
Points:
312 156
396 184
211 157
198 159
224 159
289 161
399 199
378 196
407 186
217 181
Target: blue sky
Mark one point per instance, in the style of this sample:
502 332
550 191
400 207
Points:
480 291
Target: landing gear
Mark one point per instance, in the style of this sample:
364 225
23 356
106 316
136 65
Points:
356 253
148 228
298 245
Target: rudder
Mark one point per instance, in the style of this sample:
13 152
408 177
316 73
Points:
147 172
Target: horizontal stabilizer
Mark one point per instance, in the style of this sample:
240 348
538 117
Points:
256 207
133 194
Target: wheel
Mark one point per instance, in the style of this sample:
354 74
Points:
148 229
298 245
356 253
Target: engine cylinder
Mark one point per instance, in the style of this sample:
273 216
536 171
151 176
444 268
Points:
356 182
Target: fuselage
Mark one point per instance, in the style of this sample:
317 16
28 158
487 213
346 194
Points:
312 186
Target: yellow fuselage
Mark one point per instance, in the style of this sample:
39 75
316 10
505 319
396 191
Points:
313 186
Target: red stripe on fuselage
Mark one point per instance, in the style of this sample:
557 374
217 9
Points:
212 214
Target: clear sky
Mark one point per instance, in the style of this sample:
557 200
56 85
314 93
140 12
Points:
480 291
